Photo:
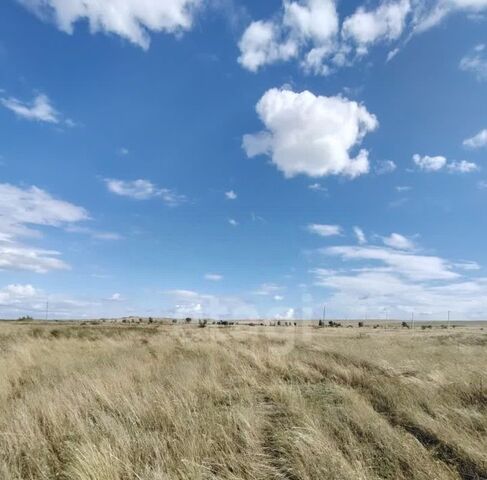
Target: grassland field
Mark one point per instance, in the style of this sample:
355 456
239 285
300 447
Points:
152 402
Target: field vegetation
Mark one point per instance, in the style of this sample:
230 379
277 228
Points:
147 402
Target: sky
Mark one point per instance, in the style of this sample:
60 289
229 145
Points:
243 159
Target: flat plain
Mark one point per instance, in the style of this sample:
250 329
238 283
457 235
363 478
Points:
116 402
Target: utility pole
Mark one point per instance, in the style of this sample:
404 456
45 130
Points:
448 319
47 310
412 319
324 313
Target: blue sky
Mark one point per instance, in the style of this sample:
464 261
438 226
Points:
243 159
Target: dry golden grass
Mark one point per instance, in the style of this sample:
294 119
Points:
115 402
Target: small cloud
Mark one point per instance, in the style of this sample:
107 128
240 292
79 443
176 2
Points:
231 195
116 297
385 166
403 188
429 164
40 109
399 242
477 141
123 151
475 63
359 233
278 298
232 222
213 277
462 167
143 190
324 230
317 187
392 54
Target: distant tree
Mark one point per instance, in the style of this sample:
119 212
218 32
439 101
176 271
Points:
360 324
321 324
151 320
174 320
188 320
278 323
404 325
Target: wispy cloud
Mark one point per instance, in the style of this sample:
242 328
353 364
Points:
40 109
213 277
476 63
144 190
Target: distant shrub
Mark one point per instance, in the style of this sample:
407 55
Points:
360 324
188 320
404 325
331 323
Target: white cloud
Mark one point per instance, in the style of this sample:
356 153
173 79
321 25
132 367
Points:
309 31
15 294
476 63
124 151
400 242
231 195
15 256
407 264
143 190
261 45
278 298
385 166
477 141
213 277
324 230
308 27
403 188
116 297
462 167
317 187
385 23
359 233
311 135
431 14
130 19
20 209
429 164
39 110
402 282
232 222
